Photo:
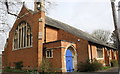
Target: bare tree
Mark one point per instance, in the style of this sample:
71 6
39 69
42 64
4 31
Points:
102 34
8 8
12 8
114 39
49 5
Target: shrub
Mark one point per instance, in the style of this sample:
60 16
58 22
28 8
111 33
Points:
89 67
7 69
96 65
18 65
114 63
106 67
32 71
45 65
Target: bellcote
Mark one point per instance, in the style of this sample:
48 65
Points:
39 5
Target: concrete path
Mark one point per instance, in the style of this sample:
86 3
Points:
114 69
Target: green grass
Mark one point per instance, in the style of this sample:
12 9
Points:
0 70
13 70
107 67
20 71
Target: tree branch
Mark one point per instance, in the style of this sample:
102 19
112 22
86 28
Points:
7 7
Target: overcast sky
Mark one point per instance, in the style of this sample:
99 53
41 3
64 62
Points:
87 15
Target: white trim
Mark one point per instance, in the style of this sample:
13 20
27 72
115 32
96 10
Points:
115 55
21 38
110 58
26 35
89 52
100 58
18 36
21 48
49 54
102 54
23 35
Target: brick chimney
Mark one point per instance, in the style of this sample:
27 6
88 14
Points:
39 6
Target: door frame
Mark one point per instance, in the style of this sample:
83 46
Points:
74 54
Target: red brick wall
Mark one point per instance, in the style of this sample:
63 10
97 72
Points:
55 62
93 50
27 55
81 47
117 55
51 34
72 47
107 57
59 48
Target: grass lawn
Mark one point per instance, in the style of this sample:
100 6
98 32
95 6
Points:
103 68
0 70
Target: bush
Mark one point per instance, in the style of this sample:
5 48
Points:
45 65
8 69
114 63
89 67
32 71
106 67
18 65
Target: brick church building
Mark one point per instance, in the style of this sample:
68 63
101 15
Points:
35 36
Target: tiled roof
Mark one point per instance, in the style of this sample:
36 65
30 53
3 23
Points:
75 31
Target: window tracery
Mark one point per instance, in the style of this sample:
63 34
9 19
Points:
23 36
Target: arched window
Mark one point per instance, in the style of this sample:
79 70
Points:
23 36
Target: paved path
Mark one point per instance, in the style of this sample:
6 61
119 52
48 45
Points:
115 69
107 71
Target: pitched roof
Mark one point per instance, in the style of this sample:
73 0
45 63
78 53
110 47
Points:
72 30
75 31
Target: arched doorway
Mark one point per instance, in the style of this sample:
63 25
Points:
71 59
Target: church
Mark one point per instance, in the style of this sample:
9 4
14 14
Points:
35 36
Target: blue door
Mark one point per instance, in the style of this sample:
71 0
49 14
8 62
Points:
69 61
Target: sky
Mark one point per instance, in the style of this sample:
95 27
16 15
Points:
87 15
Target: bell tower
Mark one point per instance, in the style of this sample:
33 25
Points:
39 6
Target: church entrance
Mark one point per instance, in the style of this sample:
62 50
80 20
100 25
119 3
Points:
69 61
